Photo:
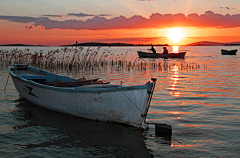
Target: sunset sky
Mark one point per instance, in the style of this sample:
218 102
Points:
173 22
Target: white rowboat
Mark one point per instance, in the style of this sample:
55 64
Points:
84 98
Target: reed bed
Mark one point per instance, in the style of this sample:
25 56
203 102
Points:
90 59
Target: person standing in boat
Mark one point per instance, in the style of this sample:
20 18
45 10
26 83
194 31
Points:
165 51
153 49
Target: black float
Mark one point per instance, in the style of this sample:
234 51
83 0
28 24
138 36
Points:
162 130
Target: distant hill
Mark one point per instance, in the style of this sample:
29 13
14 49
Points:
111 44
232 44
206 43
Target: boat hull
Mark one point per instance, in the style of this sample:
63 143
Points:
159 55
228 52
119 104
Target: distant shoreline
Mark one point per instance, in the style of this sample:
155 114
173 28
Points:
22 45
110 44
96 44
93 44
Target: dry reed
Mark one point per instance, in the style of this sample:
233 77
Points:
75 59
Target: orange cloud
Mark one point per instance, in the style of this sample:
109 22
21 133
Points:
208 19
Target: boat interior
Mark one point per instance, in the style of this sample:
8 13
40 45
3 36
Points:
50 79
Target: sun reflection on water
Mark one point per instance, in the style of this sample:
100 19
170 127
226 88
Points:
182 145
175 79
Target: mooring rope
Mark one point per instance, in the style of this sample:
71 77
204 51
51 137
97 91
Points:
136 106
133 103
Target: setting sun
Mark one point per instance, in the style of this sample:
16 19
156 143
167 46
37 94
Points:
176 34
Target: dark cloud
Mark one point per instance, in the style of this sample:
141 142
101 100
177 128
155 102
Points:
105 14
225 8
29 27
79 14
60 16
84 15
228 8
208 19
21 19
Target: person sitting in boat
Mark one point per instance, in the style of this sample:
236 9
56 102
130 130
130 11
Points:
153 50
165 51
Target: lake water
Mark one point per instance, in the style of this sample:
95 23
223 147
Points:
199 96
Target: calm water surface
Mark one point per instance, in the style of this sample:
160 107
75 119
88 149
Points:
199 96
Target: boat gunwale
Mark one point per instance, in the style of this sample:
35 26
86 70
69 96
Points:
162 53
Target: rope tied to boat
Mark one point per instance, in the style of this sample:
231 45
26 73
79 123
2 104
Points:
150 92
133 103
143 115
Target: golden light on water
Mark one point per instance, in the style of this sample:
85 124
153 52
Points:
175 79
183 146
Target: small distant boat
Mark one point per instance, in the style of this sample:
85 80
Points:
160 55
90 99
229 52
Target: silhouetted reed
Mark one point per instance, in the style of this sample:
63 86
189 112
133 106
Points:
90 59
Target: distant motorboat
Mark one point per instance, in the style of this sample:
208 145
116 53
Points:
160 55
229 52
